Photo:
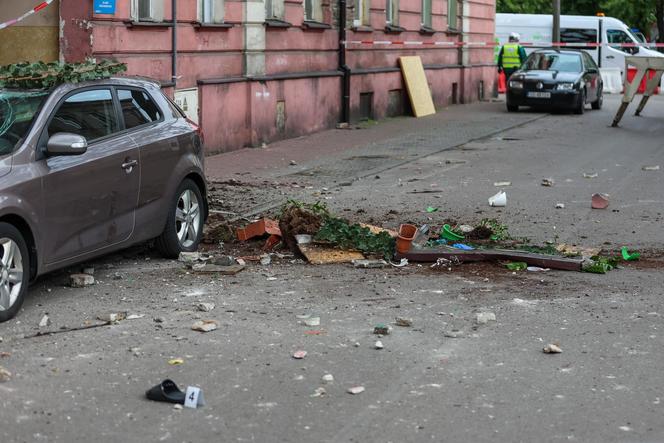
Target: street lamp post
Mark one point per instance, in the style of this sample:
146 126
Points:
556 22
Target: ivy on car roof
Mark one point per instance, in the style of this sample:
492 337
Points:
40 75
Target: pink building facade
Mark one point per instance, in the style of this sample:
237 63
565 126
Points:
252 72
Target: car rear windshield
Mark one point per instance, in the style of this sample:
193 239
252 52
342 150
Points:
17 110
549 61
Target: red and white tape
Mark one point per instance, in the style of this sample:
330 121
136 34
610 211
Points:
34 10
493 44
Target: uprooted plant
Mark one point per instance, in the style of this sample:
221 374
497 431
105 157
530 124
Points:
353 236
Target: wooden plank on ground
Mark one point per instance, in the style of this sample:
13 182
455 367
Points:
320 255
541 260
417 86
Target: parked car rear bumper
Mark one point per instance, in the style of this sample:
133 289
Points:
559 99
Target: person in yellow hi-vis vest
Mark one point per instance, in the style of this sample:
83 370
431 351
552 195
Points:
511 56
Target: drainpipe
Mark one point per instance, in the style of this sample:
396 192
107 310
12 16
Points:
343 67
174 35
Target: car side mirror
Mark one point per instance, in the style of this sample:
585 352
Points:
65 143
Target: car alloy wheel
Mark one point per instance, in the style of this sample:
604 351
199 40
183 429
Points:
188 218
11 273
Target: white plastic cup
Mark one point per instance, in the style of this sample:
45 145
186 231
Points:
498 200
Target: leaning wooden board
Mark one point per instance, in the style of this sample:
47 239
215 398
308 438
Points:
417 85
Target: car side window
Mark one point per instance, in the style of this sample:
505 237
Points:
90 114
590 63
138 108
618 37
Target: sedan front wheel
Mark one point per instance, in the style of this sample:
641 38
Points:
184 226
14 271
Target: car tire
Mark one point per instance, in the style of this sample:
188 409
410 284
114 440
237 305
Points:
580 107
184 225
14 271
512 108
597 104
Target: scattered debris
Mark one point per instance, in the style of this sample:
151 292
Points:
81 280
381 329
560 205
590 175
485 317
266 259
45 321
404 322
651 168
627 256
599 265
204 325
448 233
319 392
5 375
600 201
371 264
379 345
498 200
167 391
454 333
293 163
402 263
303 239
356 390
176 361
432 209
466 229
536 269
259 228
189 257
548 182
327 378
112 317
299 355
552 349
204 307
377 229
312 321
517 266
298 218
135 316
178 407
502 184
571 250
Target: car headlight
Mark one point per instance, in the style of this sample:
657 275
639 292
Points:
516 84
565 86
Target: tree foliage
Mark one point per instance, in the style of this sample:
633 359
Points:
41 75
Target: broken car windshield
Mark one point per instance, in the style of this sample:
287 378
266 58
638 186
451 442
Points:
17 110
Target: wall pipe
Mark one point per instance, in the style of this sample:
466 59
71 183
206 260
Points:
174 35
343 67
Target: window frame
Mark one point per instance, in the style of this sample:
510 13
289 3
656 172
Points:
362 15
315 10
156 14
139 89
392 12
217 13
453 7
427 14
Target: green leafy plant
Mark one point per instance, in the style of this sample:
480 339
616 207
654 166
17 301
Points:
601 265
500 231
40 75
319 208
341 233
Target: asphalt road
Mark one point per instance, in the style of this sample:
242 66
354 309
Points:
490 383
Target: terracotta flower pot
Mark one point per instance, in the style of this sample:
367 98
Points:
405 238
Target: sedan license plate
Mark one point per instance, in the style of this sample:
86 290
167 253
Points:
539 95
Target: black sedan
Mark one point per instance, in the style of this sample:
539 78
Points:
556 79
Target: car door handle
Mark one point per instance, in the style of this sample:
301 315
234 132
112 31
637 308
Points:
128 165
610 57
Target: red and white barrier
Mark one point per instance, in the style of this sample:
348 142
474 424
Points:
494 44
34 10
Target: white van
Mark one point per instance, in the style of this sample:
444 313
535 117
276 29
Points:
538 28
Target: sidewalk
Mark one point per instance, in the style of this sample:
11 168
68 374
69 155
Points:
393 140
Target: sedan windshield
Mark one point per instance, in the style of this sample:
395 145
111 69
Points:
17 110
552 61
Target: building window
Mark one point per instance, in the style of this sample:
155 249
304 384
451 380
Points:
426 13
147 10
452 14
274 9
313 11
362 13
392 12
211 11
